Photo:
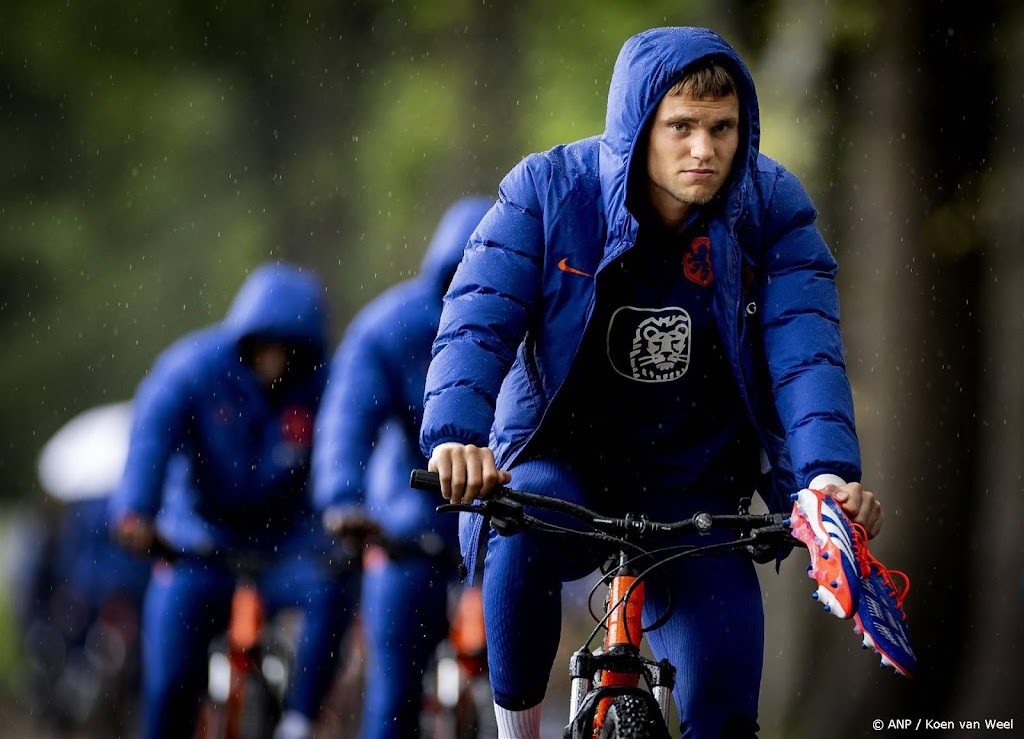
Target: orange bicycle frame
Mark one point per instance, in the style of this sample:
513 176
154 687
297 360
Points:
244 631
625 629
467 632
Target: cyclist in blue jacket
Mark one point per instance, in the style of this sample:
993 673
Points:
646 320
74 588
373 408
219 460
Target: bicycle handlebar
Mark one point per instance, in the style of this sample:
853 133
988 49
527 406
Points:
760 535
243 563
505 507
429 545
249 564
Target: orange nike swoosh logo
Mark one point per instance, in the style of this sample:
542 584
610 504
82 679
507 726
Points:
562 265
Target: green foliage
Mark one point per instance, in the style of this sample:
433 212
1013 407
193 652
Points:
569 54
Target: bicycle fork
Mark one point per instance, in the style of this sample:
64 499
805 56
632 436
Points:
620 664
226 683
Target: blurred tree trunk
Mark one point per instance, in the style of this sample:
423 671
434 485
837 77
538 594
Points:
990 683
791 77
878 211
911 137
491 147
308 84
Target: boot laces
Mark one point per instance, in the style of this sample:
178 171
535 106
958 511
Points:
869 562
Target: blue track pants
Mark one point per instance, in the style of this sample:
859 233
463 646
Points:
405 616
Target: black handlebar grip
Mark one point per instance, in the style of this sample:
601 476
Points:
423 480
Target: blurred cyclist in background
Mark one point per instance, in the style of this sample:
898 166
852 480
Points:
374 403
219 460
78 596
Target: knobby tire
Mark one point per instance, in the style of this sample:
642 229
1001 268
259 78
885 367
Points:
633 717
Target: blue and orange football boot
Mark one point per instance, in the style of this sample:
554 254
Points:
836 563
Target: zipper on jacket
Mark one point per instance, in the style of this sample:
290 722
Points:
741 379
513 454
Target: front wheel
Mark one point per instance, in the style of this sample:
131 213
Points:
633 717
251 712
260 710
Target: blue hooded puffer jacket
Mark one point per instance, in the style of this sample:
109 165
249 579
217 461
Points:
376 387
213 457
514 316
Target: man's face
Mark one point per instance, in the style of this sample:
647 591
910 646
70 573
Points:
269 361
690 150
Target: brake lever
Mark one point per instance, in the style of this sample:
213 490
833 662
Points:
772 539
460 508
506 517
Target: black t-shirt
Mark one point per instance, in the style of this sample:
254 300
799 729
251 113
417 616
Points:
651 405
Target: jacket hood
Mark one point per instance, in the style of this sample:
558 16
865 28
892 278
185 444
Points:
647 67
450 237
280 301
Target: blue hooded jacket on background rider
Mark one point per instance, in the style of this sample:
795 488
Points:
377 378
220 457
366 446
213 455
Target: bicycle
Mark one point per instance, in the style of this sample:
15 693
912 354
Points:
250 665
456 700
606 699
84 680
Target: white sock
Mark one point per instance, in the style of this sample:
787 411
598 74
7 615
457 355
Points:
518 724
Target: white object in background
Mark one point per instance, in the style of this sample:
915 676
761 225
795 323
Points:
85 458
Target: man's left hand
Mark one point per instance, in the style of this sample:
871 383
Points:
859 504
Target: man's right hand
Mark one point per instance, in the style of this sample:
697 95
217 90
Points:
466 472
135 533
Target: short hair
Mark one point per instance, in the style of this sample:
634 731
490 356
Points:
708 81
